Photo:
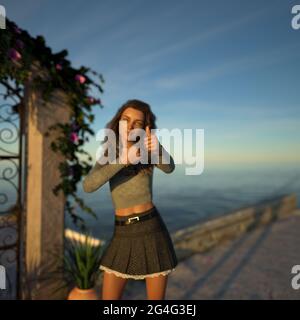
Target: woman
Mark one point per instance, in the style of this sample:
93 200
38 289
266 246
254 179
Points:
141 246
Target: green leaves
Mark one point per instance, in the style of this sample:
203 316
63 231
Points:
36 50
82 261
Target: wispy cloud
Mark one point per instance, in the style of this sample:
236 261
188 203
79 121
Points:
193 40
259 109
93 22
135 71
134 83
255 60
199 37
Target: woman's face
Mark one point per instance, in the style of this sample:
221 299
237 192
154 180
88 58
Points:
134 118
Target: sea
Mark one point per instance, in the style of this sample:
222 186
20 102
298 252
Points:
184 200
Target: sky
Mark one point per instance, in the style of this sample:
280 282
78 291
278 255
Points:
229 67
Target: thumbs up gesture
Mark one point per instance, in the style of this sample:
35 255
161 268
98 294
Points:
151 141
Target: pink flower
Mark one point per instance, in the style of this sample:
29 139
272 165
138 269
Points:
80 78
19 44
14 54
74 137
91 100
58 66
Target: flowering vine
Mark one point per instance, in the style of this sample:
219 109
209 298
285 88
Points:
18 51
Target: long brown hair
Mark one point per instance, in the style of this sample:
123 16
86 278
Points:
149 120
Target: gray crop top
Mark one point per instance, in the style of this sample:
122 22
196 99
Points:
126 189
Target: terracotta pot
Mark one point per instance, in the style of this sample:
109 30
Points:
83 294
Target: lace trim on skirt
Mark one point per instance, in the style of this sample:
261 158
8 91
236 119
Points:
138 276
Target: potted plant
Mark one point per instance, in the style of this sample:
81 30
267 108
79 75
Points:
81 267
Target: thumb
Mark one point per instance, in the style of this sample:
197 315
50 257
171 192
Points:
148 131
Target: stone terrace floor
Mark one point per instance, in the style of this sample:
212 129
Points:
256 265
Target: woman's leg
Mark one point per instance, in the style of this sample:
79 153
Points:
113 286
156 287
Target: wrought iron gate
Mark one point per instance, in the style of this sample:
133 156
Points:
13 187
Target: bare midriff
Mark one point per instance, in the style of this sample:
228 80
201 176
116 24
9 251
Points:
135 209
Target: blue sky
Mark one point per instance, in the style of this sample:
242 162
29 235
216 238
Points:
228 67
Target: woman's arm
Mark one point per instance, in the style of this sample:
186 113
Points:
100 174
165 160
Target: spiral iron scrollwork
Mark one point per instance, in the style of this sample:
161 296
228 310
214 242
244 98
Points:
11 205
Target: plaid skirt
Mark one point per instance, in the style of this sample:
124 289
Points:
141 249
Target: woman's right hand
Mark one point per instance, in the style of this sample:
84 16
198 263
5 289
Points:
129 153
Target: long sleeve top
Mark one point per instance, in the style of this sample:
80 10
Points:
126 189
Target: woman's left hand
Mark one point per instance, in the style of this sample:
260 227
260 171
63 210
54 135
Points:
151 142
